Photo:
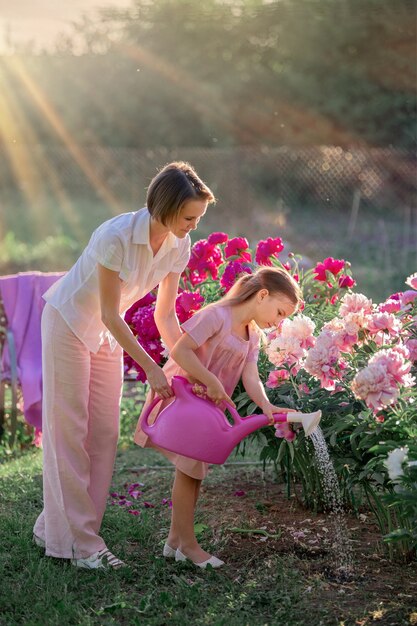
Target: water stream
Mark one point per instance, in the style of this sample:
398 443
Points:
342 562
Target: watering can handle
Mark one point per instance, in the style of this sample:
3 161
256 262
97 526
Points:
150 408
232 410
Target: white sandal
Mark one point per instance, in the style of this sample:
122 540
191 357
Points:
213 561
103 559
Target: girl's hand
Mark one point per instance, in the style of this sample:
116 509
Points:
217 394
269 409
158 382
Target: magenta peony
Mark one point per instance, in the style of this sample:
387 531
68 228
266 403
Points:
205 259
238 246
232 272
216 238
268 248
187 303
334 266
346 282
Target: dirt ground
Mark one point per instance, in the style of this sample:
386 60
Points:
235 501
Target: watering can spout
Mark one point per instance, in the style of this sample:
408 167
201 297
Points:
309 421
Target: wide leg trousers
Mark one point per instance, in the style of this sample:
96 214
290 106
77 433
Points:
80 415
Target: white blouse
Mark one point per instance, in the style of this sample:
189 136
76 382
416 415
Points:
121 244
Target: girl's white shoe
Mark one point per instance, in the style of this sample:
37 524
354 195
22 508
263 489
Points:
168 552
213 560
103 559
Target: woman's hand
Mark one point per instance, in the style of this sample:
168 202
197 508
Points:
158 381
217 394
269 409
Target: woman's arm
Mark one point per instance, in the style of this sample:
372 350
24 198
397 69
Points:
165 315
184 354
109 290
256 391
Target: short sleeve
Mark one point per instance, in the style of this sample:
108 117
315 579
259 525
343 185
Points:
204 324
106 248
253 352
184 252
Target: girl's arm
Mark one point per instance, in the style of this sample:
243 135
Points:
109 291
256 391
165 315
184 354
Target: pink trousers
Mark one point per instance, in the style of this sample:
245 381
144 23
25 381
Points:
80 414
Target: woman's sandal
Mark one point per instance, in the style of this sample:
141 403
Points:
168 552
103 559
213 561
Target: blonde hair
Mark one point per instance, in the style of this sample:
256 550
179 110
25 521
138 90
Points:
274 279
176 183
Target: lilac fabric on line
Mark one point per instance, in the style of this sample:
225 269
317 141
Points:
23 304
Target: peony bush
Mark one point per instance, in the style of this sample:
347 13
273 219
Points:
341 353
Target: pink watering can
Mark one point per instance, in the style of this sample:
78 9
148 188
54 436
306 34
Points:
192 425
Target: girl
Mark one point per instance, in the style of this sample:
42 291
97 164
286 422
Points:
219 346
83 337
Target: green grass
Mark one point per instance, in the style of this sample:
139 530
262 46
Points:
40 590
261 585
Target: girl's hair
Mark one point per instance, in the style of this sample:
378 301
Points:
176 183
274 279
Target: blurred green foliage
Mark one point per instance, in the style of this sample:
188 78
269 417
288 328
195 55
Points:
185 73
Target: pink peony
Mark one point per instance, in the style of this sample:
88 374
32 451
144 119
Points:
284 431
268 248
37 438
346 282
408 297
345 332
285 350
301 328
389 306
383 322
412 281
216 238
396 364
355 303
411 345
232 272
334 266
238 246
373 385
276 377
323 361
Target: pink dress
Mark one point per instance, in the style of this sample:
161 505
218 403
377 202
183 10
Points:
224 353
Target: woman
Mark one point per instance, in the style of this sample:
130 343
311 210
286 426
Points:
83 338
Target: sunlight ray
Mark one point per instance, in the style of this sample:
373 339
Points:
64 134
43 171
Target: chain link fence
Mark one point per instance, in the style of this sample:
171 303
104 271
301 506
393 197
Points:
241 177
